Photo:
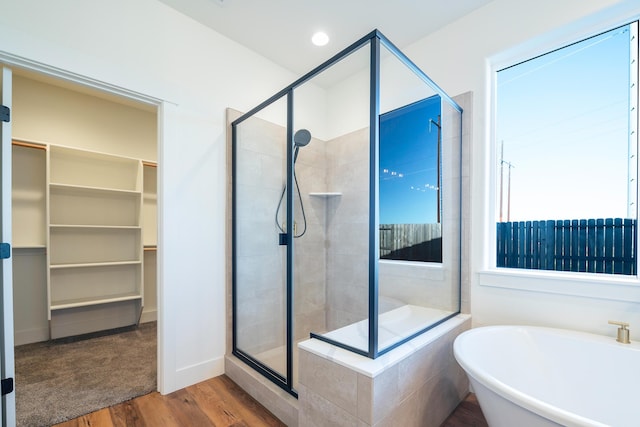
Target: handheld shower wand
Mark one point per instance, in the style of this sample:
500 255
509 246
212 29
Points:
300 139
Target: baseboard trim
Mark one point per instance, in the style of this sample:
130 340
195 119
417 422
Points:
29 336
189 375
149 316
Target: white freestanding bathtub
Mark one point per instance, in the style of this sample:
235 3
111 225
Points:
533 376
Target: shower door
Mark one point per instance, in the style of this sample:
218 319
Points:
260 243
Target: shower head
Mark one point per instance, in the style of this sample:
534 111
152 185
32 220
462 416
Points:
301 138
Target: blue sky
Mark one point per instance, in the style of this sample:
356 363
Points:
563 119
408 168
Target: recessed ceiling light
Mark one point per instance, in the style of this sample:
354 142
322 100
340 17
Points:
320 38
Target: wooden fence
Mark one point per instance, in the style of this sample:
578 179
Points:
586 245
411 242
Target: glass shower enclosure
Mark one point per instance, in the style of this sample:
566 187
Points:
345 211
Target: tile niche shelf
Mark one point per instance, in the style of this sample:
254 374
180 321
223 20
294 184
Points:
95 256
325 194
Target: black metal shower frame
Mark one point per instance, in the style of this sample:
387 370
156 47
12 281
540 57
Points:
376 39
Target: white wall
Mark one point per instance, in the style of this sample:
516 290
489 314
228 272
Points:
459 58
146 47
51 114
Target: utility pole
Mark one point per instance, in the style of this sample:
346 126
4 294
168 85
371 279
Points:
509 192
510 165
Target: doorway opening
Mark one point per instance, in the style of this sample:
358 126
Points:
84 212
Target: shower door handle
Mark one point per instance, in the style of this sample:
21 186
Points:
283 239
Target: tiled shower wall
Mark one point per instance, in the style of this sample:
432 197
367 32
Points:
430 396
400 283
331 259
310 265
261 261
417 384
348 229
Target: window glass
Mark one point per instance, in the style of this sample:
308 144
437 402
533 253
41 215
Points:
410 199
566 147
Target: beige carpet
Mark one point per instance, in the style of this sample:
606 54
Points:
63 379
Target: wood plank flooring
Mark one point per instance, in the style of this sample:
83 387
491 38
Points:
467 414
216 402
219 402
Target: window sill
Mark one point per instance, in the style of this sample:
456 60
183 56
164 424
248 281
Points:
422 264
414 269
589 285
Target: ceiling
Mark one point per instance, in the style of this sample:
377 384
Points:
281 30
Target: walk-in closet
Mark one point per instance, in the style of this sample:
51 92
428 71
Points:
84 208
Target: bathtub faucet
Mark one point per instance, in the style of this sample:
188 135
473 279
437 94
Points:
623 332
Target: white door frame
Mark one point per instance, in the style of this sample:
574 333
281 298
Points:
7 362
10 61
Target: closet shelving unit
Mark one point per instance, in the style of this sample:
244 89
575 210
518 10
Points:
150 206
94 240
150 238
28 195
84 240
28 205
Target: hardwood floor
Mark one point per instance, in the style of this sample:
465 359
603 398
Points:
219 402
467 414
216 402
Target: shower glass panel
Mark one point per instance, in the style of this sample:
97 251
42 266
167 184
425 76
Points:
260 154
418 271
331 281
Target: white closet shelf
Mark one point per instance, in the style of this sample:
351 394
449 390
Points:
87 189
93 226
326 194
25 247
95 236
94 264
84 302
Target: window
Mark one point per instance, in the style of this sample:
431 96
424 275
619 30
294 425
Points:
410 175
566 143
